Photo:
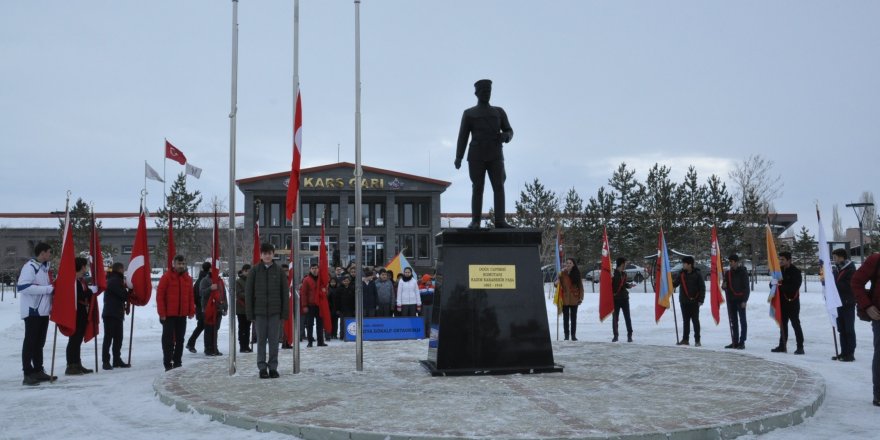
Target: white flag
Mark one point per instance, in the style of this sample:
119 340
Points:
193 170
151 173
832 296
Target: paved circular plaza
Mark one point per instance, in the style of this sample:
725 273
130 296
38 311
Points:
606 391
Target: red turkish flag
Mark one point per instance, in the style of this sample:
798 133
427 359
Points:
63 312
217 296
171 152
293 183
606 292
323 282
137 276
256 241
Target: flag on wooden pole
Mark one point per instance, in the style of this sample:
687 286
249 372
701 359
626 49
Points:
606 292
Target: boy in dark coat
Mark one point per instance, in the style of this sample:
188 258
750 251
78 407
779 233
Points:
736 288
789 289
113 316
843 271
267 301
620 288
691 294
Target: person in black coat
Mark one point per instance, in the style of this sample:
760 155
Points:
620 288
333 292
691 294
83 300
113 315
736 288
846 314
200 315
347 303
369 294
789 290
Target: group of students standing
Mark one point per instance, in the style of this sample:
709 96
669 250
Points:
736 284
36 289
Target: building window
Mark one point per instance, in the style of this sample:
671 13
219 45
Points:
305 215
350 214
424 214
319 213
424 249
407 245
275 214
408 215
365 214
334 214
379 214
126 249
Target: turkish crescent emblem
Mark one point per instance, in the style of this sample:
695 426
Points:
133 266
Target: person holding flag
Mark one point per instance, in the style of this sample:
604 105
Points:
790 304
572 287
843 271
35 303
83 299
620 289
113 316
735 284
309 289
691 294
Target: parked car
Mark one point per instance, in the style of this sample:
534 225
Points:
634 273
705 270
548 273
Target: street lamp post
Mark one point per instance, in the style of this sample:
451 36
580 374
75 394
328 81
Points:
864 206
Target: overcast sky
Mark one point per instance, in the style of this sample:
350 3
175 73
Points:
91 88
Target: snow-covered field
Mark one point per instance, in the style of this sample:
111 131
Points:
121 403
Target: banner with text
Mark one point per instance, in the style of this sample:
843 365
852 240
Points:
386 329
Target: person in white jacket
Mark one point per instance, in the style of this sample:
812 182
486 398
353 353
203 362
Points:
408 299
36 304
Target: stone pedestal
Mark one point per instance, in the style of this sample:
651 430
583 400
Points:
489 315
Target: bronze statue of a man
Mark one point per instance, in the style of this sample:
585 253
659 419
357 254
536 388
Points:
488 128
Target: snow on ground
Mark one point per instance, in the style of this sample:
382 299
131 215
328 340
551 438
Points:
122 402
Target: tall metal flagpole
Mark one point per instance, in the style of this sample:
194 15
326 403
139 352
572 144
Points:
295 314
230 280
358 173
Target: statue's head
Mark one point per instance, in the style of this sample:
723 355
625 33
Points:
483 90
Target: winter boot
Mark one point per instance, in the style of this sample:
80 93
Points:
629 337
614 339
800 350
779 349
106 366
697 342
30 380
85 370
73 370
120 364
683 342
264 373
732 345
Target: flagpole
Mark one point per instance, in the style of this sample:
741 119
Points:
55 337
232 115
94 273
358 173
164 180
674 316
294 247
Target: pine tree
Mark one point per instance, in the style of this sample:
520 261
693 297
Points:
597 214
717 207
690 229
626 223
81 221
538 207
184 206
805 251
573 224
659 208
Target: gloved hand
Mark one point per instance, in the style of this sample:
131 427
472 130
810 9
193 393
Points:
457 163
418 308
399 309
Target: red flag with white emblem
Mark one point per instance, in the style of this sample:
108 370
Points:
171 152
293 183
137 276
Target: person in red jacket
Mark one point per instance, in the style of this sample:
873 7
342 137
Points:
174 303
868 303
309 295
